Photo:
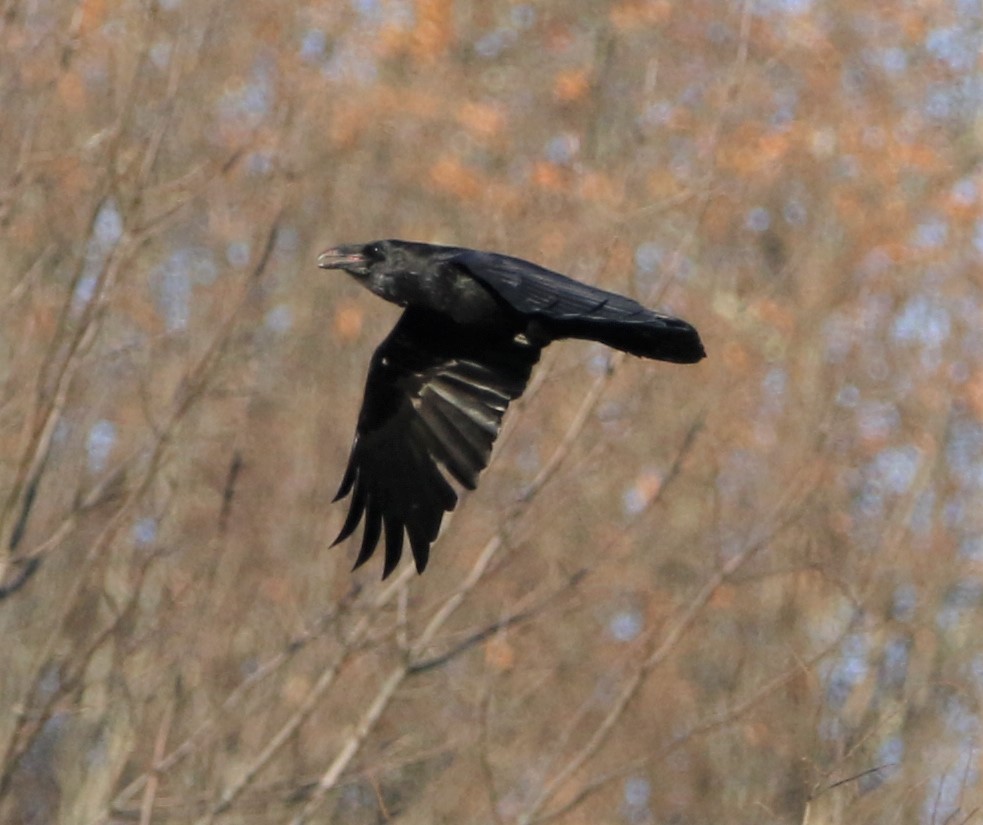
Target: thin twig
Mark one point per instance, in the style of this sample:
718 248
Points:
207 726
311 700
392 682
160 743
199 377
781 515
711 725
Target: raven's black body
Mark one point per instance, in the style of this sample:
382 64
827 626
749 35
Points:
438 386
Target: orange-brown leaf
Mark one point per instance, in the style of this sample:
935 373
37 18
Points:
481 119
631 14
571 85
346 325
449 175
499 654
434 30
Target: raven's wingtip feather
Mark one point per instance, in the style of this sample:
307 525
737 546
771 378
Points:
345 531
394 544
342 492
421 555
348 480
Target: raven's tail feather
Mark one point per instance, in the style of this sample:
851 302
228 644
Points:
656 336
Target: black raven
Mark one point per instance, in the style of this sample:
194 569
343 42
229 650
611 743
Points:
473 327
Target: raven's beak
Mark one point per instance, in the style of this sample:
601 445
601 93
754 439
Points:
341 257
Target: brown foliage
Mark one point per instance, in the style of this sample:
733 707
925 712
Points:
743 591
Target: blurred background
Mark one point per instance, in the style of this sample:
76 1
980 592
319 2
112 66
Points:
742 591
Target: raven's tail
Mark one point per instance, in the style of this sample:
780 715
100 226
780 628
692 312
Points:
651 336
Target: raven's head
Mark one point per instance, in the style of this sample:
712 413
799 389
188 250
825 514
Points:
402 272
391 269
386 268
358 260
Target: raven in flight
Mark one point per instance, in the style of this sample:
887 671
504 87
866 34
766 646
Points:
473 327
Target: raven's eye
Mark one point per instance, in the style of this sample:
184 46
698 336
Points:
375 250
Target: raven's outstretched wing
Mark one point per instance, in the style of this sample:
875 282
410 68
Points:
435 394
570 309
